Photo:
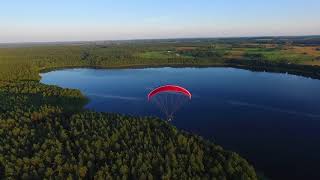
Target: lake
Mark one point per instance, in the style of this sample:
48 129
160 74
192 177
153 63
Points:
271 119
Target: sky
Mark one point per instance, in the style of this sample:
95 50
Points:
86 20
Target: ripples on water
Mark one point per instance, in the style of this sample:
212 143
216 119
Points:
271 119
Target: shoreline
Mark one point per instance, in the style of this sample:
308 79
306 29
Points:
307 71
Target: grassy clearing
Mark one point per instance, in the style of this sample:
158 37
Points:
292 55
156 54
160 55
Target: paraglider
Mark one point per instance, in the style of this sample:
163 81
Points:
169 98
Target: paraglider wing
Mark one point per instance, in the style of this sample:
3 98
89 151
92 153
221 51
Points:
169 98
169 88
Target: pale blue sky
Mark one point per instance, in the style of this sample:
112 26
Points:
72 20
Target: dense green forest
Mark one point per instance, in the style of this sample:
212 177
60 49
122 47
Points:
46 133
25 62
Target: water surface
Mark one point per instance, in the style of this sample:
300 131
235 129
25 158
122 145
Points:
271 119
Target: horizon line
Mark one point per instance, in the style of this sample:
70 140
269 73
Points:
146 39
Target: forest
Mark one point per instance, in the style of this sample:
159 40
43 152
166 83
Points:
295 55
45 132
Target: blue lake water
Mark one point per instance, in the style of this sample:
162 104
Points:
271 119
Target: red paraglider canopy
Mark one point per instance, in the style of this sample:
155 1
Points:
169 88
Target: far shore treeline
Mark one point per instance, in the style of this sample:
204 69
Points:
46 133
